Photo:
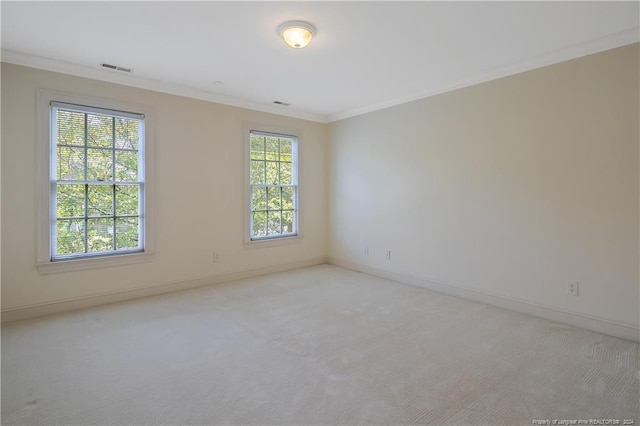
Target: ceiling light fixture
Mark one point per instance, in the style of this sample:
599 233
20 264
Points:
296 34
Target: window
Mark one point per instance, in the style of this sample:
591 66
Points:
97 179
273 183
94 174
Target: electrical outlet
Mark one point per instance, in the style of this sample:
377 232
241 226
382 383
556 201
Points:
366 251
216 257
573 289
387 254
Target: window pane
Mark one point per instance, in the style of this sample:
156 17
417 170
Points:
99 165
127 233
272 173
285 150
99 131
70 200
257 148
273 223
259 198
127 199
259 228
70 163
99 235
287 198
287 221
285 174
126 166
70 238
100 200
126 133
257 172
273 149
273 198
70 128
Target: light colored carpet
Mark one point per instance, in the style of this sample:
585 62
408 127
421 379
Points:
320 345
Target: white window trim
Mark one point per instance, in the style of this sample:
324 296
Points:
246 223
44 264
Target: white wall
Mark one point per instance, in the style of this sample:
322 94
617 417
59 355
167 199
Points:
199 185
514 187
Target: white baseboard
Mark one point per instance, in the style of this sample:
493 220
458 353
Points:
32 311
600 325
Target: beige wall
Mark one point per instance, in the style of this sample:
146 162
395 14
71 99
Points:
199 186
514 187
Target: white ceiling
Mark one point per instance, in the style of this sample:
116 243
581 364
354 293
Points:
366 55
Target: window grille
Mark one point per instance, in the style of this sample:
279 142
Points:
97 181
273 185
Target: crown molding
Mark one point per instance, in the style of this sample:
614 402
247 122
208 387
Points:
110 76
611 41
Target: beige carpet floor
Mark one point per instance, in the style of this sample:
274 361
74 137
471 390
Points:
320 345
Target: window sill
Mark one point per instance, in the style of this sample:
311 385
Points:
273 242
46 268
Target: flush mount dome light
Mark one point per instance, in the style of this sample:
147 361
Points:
296 34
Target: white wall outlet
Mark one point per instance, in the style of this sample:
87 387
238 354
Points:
366 251
216 257
573 289
387 255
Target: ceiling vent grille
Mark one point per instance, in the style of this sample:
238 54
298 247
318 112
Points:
281 103
116 68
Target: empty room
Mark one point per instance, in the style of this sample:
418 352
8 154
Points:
320 213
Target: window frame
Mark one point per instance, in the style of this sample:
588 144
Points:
46 158
277 240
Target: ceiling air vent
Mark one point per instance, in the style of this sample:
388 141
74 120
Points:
281 103
116 68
